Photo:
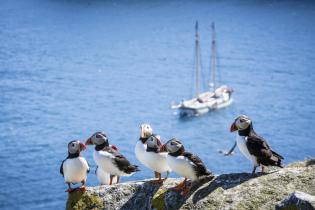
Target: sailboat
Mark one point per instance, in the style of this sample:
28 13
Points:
214 98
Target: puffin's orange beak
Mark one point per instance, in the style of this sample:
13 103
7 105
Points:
159 142
88 142
114 147
163 148
82 146
233 127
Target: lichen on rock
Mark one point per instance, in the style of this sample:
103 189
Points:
158 202
78 200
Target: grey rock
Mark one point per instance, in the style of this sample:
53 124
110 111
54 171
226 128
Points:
310 162
226 191
298 200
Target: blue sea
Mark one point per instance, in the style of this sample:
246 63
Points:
69 68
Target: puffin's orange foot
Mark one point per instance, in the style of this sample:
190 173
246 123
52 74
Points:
70 190
185 191
82 188
178 188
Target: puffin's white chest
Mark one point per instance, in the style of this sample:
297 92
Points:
241 144
140 150
156 161
75 169
182 166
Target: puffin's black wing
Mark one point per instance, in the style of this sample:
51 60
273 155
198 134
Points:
276 154
199 167
124 165
61 167
121 162
258 147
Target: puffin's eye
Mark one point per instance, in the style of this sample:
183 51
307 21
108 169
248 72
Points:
72 144
242 120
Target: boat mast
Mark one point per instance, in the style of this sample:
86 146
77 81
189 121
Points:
197 58
213 58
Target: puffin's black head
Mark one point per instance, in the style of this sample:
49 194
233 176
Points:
75 147
98 138
241 123
153 143
174 147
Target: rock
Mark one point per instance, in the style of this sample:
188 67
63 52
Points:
80 200
297 200
310 162
226 191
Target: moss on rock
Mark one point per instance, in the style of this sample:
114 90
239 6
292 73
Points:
158 199
83 200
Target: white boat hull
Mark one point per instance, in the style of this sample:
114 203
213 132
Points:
190 112
207 101
187 112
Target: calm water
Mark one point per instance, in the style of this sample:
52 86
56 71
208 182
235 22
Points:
69 68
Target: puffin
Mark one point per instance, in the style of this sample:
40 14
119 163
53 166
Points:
155 158
74 168
185 164
104 177
253 147
108 159
141 145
